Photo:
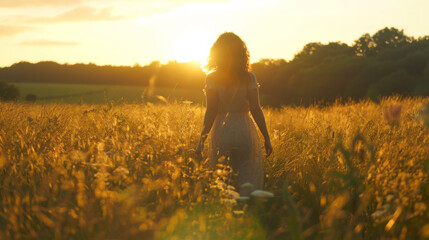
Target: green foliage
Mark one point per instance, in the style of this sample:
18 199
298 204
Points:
30 98
8 92
395 82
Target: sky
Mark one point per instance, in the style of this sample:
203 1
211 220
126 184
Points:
129 32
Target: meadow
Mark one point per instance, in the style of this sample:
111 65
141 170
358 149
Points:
64 93
358 170
101 94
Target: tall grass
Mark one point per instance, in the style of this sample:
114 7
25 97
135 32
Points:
347 171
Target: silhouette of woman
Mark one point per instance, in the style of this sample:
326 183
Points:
231 92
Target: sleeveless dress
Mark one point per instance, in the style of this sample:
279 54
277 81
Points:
234 136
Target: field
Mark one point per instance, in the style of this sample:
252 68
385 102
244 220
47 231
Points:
99 94
347 171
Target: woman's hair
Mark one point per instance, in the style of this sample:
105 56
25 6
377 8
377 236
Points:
228 53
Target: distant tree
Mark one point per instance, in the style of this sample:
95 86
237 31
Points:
422 86
308 49
30 98
398 82
155 64
386 38
315 53
265 70
8 92
364 46
390 38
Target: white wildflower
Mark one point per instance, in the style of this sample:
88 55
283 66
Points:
247 185
261 194
243 198
121 171
232 194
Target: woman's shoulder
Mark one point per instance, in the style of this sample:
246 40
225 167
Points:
252 75
218 78
253 82
214 78
210 80
211 75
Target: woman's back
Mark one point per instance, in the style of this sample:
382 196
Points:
232 93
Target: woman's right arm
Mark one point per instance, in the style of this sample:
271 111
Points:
258 116
211 112
209 117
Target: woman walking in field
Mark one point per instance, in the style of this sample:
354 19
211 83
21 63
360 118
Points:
231 92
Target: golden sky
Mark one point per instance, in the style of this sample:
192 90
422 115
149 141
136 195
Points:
125 32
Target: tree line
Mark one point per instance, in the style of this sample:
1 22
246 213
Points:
183 75
385 63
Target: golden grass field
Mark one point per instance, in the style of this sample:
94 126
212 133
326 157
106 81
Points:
347 171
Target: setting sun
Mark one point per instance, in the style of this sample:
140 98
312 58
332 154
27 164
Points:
193 46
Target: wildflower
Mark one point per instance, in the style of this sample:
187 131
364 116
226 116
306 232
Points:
242 198
247 185
261 194
378 214
389 198
228 201
232 194
221 185
101 175
121 171
77 156
238 212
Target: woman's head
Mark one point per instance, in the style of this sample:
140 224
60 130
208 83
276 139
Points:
228 53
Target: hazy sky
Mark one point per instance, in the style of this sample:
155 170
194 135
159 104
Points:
125 32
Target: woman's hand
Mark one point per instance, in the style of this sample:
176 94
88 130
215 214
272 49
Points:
199 149
268 147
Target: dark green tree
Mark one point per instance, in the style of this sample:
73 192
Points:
364 46
8 92
388 38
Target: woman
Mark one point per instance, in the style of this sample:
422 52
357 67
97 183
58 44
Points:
231 92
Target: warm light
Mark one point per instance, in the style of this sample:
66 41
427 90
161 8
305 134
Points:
193 46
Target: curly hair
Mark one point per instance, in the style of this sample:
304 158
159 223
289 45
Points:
228 53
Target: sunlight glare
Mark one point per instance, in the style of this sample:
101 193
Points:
194 46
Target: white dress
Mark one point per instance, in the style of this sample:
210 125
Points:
235 137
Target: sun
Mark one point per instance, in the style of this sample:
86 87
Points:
193 46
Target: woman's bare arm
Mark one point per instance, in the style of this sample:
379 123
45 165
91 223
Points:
209 117
211 111
258 116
